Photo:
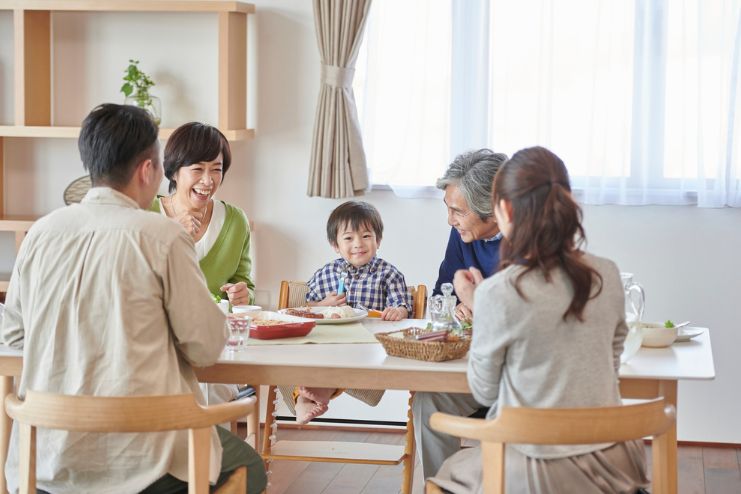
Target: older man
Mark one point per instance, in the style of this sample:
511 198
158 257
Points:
108 300
474 242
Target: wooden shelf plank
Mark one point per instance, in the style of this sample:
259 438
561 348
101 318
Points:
16 223
337 452
74 132
130 5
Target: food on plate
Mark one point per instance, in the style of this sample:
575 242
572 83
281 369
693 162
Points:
342 312
669 324
269 322
304 312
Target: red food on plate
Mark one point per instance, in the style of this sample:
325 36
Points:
272 329
304 312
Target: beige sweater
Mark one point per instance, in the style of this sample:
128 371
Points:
524 354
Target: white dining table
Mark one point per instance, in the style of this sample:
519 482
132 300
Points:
651 373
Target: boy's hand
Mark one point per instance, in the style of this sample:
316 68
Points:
394 313
333 300
237 293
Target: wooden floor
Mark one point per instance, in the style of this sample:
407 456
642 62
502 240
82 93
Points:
701 470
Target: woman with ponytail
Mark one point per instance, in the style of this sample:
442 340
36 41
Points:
548 333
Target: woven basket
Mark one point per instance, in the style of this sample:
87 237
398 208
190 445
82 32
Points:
396 345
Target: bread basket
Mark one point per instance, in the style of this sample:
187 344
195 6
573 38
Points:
402 343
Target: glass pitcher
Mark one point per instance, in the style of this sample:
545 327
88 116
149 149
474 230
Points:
635 302
442 309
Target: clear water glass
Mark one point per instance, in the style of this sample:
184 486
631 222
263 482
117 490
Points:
239 330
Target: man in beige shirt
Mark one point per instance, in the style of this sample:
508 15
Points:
107 299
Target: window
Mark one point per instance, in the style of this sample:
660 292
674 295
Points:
640 99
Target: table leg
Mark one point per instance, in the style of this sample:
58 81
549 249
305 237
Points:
6 387
253 421
664 452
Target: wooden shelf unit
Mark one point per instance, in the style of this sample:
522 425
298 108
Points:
32 91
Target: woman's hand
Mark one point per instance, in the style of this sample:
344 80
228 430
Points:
237 293
333 300
465 283
190 222
394 313
463 312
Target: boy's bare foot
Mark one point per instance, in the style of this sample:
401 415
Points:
317 395
307 410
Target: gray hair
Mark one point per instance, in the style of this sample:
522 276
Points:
473 172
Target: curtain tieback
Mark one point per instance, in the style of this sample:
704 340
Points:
335 76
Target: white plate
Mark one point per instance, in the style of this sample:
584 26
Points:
359 314
686 333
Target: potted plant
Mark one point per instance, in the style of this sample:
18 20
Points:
136 89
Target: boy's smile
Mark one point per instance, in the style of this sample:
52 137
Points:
357 247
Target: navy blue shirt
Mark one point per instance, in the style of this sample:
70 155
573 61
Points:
480 254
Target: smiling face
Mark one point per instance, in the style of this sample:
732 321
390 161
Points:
197 183
469 225
357 247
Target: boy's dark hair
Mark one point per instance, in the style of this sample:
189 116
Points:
357 214
192 143
113 140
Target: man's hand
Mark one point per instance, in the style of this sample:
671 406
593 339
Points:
394 313
237 293
465 283
333 300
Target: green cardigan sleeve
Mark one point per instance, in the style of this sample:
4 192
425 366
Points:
229 260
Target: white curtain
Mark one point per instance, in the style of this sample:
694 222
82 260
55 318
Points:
640 98
402 81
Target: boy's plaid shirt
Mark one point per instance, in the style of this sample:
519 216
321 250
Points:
376 285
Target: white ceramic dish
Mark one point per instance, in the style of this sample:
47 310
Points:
245 308
687 333
655 335
359 314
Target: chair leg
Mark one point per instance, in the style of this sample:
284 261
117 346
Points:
27 459
410 455
269 421
253 421
199 453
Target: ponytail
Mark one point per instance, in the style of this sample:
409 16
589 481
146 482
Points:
547 232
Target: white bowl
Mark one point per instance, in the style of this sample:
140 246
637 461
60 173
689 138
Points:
236 309
655 335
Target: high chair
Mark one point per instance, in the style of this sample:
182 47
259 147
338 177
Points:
560 426
126 414
293 294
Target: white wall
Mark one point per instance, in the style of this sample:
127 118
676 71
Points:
687 258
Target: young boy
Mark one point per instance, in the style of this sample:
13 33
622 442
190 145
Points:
359 279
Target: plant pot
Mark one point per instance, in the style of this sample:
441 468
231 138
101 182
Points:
150 103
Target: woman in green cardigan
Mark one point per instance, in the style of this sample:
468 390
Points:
197 157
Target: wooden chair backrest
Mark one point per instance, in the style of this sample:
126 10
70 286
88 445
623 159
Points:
559 426
293 294
121 414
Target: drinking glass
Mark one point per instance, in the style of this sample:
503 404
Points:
239 327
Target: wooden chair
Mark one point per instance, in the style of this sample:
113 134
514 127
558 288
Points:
293 294
126 414
560 426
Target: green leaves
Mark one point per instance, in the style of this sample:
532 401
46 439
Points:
668 324
137 83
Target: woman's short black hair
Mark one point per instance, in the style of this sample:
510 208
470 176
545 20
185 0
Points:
357 214
113 140
193 143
